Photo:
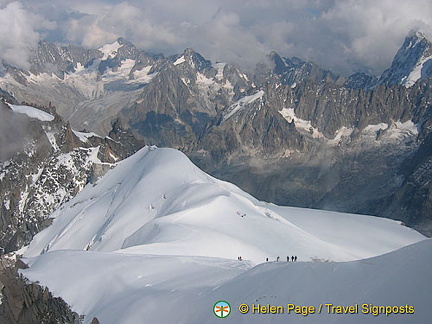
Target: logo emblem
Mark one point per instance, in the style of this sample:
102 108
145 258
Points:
221 309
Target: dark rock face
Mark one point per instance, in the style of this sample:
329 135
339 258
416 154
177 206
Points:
361 81
280 161
163 105
24 303
295 70
175 108
412 201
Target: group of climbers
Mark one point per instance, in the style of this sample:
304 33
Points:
293 258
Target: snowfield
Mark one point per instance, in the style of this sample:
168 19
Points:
32 112
156 240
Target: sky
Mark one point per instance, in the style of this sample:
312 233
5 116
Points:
343 36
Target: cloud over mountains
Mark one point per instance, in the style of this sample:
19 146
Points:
344 36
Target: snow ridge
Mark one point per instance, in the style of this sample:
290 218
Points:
32 112
162 231
182 211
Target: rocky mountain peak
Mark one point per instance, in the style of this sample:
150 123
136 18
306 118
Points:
279 65
412 62
418 35
196 60
293 70
57 59
127 50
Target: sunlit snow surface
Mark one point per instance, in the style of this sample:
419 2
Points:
416 73
242 103
32 112
156 232
110 49
396 131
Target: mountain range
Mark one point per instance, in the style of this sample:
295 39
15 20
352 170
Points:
357 144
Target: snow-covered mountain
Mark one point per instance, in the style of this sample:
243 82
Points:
156 230
90 87
84 85
122 288
412 62
158 202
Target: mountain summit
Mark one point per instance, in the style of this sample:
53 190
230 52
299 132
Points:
412 62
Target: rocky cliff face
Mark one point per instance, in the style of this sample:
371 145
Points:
335 147
183 98
294 70
412 200
23 302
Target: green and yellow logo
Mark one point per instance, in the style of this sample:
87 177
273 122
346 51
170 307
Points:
221 309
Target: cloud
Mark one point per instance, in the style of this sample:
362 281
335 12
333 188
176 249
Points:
13 132
344 36
372 31
19 33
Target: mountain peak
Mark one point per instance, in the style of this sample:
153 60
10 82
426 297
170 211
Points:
122 40
419 34
416 37
280 66
189 51
412 62
194 59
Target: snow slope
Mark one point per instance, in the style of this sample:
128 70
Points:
156 231
32 112
242 104
158 202
123 288
399 278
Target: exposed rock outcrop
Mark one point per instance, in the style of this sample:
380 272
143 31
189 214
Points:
23 302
